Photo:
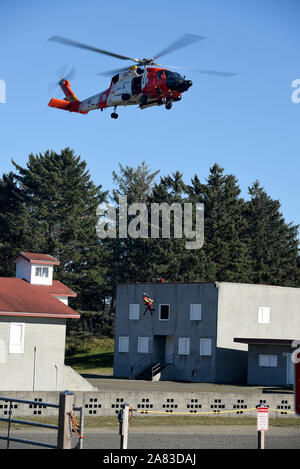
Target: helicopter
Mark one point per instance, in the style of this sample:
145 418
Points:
146 83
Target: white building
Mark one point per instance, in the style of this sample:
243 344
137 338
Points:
33 314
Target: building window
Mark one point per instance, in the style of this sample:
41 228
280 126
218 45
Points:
184 346
195 312
123 344
16 337
42 272
268 360
205 347
264 314
134 311
143 344
164 312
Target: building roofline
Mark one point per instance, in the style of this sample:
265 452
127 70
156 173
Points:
73 315
262 341
33 259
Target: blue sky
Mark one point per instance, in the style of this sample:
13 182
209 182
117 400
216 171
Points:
246 123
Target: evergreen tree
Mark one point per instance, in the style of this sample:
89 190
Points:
61 203
129 257
272 242
13 223
224 253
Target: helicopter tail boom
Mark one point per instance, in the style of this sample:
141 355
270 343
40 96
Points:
66 105
71 103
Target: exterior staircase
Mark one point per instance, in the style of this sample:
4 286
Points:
146 370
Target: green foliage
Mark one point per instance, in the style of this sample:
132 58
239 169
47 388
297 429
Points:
50 206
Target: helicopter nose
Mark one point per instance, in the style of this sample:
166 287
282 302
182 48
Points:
185 85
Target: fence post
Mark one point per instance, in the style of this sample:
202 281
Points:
64 436
123 419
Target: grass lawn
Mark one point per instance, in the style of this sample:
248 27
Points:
91 356
172 421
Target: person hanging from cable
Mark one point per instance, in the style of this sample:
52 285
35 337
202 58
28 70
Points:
148 303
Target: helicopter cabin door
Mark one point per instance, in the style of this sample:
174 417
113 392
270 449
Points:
136 86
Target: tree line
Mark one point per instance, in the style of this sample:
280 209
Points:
50 206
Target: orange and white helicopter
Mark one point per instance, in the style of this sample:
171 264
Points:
146 83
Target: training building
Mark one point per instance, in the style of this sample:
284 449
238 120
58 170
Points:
207 332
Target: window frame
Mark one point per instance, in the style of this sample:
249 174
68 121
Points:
195 313
144 340
205 340
132 313
263 314
13 346
268 360
122 337
186 348
159 315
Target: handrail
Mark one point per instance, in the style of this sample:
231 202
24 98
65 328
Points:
141 364
158 367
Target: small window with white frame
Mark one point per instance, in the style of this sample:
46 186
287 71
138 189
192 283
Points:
195 312
268 360
264 314
134 311
164 312
143 344
123 344
16 337
206 347
183 346
42 271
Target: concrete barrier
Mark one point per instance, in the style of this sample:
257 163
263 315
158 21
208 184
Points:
105 403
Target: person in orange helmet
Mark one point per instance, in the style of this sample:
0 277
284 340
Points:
148 302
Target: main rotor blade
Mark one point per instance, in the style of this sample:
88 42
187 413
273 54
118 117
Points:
183 41
70 42
113 72
217 73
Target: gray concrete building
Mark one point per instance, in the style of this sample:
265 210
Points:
200 332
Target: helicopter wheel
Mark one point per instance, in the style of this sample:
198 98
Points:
114 115
168 105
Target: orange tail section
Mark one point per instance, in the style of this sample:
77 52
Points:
71 103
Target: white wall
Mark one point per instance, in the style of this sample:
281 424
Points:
17 369
238 313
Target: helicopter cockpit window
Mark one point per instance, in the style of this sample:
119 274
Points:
139 71
161 74
115 79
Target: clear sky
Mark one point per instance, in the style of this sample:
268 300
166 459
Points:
246 123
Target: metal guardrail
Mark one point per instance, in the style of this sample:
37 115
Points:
141 365
160 366
10 420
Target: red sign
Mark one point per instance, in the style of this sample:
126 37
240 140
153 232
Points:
262 419
297 388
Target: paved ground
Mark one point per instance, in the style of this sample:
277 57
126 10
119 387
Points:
107 383
190 437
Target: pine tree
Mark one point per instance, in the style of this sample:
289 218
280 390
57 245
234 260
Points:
273 243
129 257
224 252
13 223
61 203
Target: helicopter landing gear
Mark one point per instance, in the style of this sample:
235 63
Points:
143 99
114 115
168 105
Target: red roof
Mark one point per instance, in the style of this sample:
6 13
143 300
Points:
35 258
20 298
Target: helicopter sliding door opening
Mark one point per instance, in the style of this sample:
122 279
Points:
136 86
